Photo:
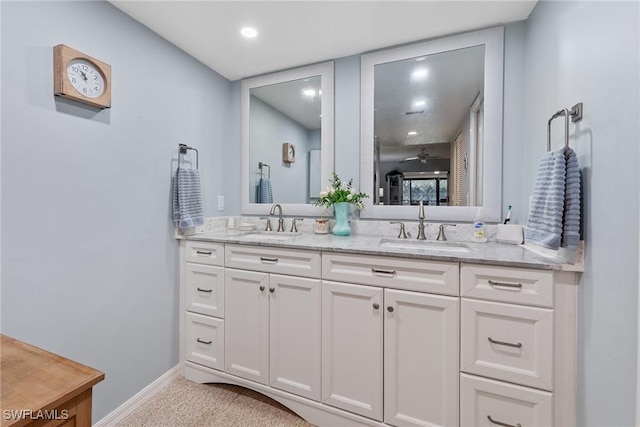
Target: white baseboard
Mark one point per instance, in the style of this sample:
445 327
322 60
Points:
122 411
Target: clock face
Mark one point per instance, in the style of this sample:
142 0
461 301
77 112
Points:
85 78
290 152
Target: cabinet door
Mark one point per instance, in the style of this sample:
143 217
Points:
294 335
205 289
247 324
420 359
352 348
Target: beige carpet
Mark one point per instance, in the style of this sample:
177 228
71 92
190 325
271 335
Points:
186 404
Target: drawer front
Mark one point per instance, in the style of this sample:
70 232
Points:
400 273
490 403
205 340
205 289
204 253
272 260
507 342
507 284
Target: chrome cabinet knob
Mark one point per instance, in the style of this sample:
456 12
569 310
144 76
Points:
390 309
376 305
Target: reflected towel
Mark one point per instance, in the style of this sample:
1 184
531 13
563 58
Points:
554 215
265 193
187 198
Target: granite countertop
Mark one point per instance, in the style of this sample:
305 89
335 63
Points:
480 253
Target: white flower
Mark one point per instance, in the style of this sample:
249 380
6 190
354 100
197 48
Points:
354 191
349 196
323 194
333 190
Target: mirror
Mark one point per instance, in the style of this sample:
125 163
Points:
431 117
287 139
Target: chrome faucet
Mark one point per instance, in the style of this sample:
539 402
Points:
403 233
294 227
280 219
268 226
421 226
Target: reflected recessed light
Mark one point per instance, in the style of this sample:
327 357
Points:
422 58
420 73
436 172
412 133
249 32
419 103
309 92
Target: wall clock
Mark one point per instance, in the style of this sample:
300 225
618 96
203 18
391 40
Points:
80 77
288 153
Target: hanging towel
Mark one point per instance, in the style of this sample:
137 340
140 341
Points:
265 193
554 215
187 198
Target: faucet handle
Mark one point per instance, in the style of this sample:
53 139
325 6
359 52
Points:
441 236
268 227
402 234
421 211
294 227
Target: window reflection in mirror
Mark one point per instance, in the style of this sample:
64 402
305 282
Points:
425 120
433 108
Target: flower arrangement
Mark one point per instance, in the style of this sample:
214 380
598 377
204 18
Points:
340 191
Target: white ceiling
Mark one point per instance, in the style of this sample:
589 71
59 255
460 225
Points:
294 33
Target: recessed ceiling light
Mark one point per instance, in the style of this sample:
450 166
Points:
420 73
422 58
309 92
419 103
412 133
249 32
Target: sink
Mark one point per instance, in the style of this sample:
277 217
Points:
425 245
271 235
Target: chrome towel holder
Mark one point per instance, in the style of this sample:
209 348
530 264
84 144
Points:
576 115
262 165
182 149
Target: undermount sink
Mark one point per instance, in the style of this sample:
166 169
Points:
271 235
425 245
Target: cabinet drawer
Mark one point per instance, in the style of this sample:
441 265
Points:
490 403
204 253
507 342
205 289
399 273
271 260
205 340
508 284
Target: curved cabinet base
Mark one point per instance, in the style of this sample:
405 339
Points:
314 412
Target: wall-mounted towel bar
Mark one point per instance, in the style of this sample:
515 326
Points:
263 165
182 149
575 113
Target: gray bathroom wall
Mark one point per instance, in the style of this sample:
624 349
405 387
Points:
89 259
589 52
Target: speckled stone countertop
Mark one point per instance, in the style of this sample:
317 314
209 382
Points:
480 253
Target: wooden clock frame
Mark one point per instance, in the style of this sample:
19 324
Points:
62 55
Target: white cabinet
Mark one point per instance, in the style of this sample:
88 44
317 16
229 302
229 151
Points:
273 323
420 359
416 334
352 348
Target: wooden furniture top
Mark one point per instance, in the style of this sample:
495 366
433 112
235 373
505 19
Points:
35 379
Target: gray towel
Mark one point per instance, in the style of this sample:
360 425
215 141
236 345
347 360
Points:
554 216
187 198
265 193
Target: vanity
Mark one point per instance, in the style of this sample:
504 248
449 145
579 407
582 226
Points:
352 331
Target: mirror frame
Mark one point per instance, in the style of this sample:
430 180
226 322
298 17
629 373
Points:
493 40
325 71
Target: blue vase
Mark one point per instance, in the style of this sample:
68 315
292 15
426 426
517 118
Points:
341 211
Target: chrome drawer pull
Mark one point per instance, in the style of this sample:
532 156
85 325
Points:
203 252
378 271
498 423
506 285
265 259
203 342
205 290
508 344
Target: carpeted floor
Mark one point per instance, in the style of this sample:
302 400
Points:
186 404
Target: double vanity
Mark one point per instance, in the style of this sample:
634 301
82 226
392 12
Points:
364 330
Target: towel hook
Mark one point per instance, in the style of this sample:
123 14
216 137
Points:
575 113
182 149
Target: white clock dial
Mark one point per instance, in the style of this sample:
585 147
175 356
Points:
85 78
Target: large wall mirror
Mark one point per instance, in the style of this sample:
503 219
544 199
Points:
431 117
287 139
